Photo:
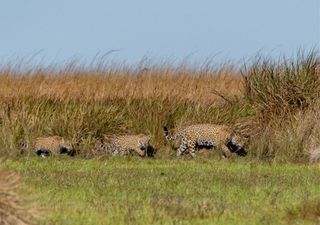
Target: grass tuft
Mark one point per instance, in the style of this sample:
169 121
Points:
14 209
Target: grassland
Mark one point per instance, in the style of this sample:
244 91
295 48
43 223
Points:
275 104
136 191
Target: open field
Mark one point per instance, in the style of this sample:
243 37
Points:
136 191
275 104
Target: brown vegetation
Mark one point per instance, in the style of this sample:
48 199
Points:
203 87
82 104
13 207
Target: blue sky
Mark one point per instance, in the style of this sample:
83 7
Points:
58 30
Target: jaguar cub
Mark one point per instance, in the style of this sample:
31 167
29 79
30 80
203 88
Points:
128 144
47 146
208 135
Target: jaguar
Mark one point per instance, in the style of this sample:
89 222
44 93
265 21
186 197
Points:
128 144
50 145
208 135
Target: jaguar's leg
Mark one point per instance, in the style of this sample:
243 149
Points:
192 149
114 150
183 147
43 152
226 152
126 151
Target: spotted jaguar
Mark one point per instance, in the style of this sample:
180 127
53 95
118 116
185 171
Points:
127 144
208 135
51 145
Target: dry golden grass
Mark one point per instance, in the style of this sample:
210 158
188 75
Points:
13 207
83 104
171 84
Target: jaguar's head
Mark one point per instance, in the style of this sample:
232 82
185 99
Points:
236 144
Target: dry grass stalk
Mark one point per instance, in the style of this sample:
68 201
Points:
13 208
153 84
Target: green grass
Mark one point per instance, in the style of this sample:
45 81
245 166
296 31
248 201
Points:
152 191
275 103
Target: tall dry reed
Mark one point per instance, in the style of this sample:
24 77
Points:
83 104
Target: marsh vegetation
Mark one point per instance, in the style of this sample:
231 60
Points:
275 103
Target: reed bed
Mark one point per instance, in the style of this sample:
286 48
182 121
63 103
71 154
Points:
201 87
261 100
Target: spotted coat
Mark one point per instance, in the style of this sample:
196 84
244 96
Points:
208 135
127 144
50 145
